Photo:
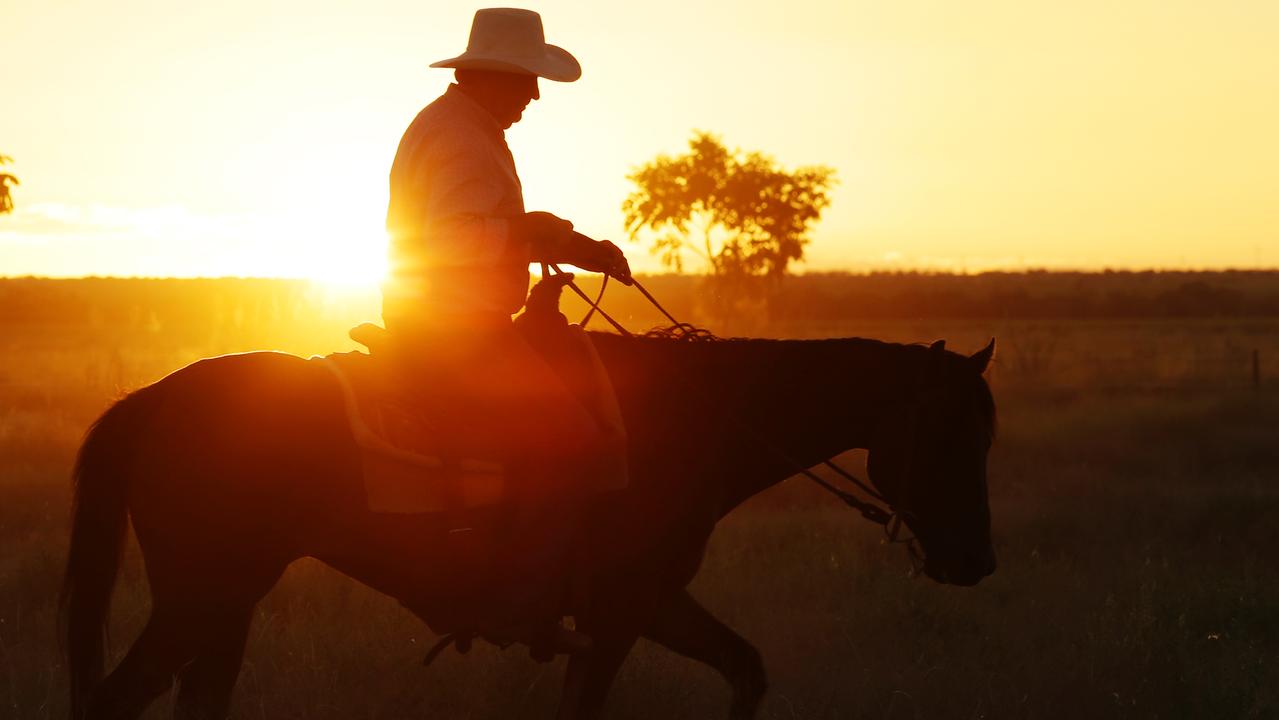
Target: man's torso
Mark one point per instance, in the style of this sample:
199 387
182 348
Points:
452 187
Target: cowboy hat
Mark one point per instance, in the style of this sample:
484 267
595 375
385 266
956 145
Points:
511 40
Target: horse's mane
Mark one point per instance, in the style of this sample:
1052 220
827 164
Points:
686 333
865 348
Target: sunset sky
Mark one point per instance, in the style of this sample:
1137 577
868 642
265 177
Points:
246 137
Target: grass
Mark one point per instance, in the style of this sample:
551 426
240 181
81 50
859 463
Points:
1135 521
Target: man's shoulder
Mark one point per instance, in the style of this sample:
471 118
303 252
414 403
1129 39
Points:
438 114
440 122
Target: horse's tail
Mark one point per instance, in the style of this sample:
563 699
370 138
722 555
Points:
99 522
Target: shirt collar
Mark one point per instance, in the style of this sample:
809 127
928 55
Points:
476 112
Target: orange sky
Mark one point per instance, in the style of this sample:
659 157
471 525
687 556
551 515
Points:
253 138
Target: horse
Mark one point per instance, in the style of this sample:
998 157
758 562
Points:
233 467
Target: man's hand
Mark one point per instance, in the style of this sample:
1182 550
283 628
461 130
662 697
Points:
598 256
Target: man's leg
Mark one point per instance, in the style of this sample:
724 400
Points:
545 435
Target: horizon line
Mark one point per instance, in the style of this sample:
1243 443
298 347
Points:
854 272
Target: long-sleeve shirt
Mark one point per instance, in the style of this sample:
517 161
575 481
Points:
453 191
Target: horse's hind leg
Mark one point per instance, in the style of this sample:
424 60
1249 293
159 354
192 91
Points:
199 644
206 683
689 629
219 604
147 671
201 610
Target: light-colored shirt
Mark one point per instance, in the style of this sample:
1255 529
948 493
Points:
453 191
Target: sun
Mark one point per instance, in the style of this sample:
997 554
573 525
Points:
331 232
350 254
349 262
343 246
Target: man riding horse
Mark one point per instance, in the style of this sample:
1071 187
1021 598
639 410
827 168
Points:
461 245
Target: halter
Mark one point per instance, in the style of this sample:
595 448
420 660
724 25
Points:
885 514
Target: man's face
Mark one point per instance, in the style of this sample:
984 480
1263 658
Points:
512 94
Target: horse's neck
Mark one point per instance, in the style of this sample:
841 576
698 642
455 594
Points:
821 399
773 407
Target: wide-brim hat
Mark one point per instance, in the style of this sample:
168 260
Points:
511 40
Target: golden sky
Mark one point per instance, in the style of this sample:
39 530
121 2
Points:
246 137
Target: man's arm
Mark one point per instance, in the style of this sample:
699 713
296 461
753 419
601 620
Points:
553 240
461 212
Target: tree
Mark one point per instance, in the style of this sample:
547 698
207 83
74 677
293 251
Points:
742 214
6 200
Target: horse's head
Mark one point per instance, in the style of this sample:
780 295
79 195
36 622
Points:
927 456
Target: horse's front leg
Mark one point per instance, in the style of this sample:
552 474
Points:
689 629
590 676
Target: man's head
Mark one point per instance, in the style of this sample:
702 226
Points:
506 54
503 94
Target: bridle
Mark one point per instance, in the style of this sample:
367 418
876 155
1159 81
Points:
879 510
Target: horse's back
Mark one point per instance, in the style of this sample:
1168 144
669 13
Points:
271 385
241 435
262 372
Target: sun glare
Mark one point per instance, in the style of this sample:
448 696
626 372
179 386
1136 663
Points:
341 246
363 265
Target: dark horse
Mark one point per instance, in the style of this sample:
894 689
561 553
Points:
235 466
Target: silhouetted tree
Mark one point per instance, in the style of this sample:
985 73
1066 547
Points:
741 213
6 200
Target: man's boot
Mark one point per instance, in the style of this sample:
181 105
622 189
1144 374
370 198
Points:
533 579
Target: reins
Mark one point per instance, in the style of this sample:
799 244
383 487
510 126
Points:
886 515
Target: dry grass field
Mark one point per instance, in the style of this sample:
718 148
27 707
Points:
1134 489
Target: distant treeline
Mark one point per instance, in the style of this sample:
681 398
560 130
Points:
132 302
1031 295
170 304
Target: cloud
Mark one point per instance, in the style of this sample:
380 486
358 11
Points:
63 239
52 218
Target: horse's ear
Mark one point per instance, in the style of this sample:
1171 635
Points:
981 358
938 346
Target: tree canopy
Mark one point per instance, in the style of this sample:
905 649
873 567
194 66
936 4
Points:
740 212
6 199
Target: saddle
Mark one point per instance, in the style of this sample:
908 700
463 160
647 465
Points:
414 458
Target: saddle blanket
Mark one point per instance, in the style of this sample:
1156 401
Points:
406 469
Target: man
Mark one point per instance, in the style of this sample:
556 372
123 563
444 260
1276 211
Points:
461 244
